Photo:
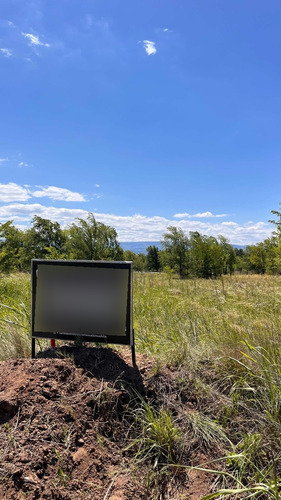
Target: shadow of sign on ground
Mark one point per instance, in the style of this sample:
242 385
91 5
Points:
103 363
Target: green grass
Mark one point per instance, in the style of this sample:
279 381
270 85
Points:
224 335
15 316
179 320
227 334
158 438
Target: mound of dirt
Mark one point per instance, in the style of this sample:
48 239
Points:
65 424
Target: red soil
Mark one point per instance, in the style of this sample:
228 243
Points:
65 424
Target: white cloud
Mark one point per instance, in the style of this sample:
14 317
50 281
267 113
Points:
23 164
6 52
11 24
57 193
138 227
233 224
97 185
20 212
3 159
199 215
13 192
34 40
149 47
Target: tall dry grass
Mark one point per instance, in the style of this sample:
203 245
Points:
178 320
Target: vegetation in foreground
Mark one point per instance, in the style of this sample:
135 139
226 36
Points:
222 337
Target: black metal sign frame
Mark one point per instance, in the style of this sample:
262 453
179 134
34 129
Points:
127 339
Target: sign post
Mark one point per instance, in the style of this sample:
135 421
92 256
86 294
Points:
91 300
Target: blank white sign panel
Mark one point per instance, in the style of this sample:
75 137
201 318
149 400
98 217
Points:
81 300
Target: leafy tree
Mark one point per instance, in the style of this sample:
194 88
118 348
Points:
42 239
255 258
277 223
129 255
228 255
152 258
239 259
176 245
92 240
217 257
206 256
139 260
11 242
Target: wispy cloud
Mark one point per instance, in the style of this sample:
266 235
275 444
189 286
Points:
24 212
23 164
5 23
199 215
149 47
34 40
57 193
6 52
3 159
13 192
97 185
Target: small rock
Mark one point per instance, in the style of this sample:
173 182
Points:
18 472
31 478
23 457
79 455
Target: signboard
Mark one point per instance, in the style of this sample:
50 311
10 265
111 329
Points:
91 300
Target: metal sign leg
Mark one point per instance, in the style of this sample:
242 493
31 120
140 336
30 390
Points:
133 355
32 348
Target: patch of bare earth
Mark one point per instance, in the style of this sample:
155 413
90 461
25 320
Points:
65 423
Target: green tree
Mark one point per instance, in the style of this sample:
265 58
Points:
92 240
11 242
176 244
152 258
229 256
42 239
206 256
239 260
277 223
139 260
273 246
255 258
129 255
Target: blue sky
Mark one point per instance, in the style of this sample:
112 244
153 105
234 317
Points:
145 112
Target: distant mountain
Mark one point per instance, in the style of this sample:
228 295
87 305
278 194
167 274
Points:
141 246
240 246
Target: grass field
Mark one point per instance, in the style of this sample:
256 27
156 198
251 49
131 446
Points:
187 320
223 337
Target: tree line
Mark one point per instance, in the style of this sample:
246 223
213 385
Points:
193 255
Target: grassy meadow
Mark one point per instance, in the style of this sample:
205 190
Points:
186 321
223 337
